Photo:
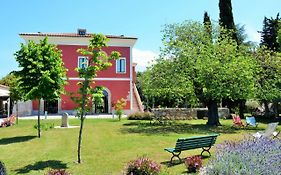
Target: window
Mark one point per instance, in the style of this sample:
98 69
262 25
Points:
121 65
83 62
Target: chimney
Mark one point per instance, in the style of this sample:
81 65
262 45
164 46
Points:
81 31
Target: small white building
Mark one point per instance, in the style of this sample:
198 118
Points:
4 101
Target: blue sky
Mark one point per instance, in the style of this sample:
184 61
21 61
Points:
143 19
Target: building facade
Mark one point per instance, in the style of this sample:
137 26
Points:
118 80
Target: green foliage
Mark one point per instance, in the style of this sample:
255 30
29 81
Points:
42 73
141 116
194 68
279 36
208 24
98 61
45 126
268 74
11 80
269 33
226 18
8 80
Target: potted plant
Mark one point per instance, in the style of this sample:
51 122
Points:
193 163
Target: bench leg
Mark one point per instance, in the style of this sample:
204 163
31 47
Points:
175 155
207 150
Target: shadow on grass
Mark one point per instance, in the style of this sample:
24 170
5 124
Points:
41 165
175 127
6 141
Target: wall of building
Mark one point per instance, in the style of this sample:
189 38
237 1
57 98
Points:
24 108
186 113
70 59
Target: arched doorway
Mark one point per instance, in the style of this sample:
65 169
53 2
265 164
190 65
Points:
102 107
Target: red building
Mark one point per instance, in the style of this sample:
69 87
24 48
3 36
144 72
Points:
118 80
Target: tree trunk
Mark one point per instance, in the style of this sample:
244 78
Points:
266 112
80 137
84 96
275 108
17 111
241 104
213 117
38 120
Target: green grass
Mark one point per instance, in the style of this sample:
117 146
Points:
107 145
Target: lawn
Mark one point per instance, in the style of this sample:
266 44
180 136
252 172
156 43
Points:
107 145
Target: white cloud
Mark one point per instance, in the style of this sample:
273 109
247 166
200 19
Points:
253 34
143 58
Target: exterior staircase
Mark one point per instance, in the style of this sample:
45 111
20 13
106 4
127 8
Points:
137 104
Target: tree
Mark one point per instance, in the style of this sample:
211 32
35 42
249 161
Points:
279 36
194 68
98 60
42 74
268 76
207 24
12 81
163 85
226 18
269 33
269 39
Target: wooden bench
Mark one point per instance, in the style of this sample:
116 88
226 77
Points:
182 144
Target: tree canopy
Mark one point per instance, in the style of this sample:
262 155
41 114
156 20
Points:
268 74
269 33
194 68
226 18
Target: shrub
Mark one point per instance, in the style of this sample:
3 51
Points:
45 126
140 116
2 169
193 163
119 106
141 166
58 172
261 156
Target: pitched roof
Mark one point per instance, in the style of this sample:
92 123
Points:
87 35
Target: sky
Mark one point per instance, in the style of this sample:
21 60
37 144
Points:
143 19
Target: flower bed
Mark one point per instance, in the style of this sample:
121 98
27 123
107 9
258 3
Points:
142 166
261 156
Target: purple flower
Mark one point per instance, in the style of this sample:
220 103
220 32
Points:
261 156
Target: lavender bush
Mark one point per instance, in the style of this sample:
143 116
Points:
247 157
143 166
2 169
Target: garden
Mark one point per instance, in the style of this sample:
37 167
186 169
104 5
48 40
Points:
201 65
109 146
